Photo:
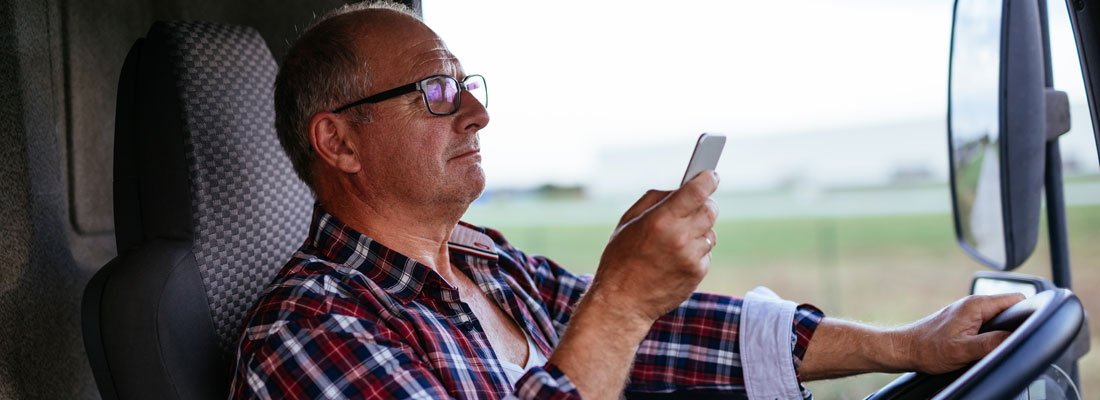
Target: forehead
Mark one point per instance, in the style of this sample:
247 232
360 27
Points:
400 49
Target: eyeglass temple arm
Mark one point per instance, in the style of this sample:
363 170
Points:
397 91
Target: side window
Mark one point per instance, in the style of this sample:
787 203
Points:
1081 173
1080 168
1078 146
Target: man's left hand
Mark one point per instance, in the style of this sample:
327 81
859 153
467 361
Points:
944 341
948 339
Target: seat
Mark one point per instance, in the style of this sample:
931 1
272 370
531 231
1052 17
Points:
207 210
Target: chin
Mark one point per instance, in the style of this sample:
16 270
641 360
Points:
466 188
476 186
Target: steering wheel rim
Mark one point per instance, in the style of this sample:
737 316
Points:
1053 318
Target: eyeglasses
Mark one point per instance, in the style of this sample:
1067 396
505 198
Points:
441 93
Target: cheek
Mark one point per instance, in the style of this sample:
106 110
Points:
413 143
397 142
389 157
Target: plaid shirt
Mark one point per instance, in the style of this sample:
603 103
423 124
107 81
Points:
349 318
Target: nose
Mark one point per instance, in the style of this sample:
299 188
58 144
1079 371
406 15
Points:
472 115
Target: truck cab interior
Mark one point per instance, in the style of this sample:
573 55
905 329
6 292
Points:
148 201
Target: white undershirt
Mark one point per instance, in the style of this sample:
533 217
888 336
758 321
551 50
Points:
535 358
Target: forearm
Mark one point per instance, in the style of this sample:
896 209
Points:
944 341
597 349
841 348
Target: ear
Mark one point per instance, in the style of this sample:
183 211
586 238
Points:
331 137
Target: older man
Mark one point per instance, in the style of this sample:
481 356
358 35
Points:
392 297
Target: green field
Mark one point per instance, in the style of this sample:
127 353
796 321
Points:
883 270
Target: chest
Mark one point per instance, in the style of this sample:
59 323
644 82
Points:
455 327
504 335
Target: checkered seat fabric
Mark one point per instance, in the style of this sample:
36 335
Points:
207 209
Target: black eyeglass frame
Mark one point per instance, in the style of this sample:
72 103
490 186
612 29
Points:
418 86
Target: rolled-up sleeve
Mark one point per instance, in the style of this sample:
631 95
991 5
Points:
774 336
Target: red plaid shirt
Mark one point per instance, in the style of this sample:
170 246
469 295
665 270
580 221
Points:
349 318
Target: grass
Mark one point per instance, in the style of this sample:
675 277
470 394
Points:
883 270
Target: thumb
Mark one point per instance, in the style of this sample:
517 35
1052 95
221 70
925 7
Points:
688 198
997 303
646 202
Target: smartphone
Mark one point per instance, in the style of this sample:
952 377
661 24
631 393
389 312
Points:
705 157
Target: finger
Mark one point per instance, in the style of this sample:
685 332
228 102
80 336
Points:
685 200
995 304
706 214
984 343
702 220
647 201
701 246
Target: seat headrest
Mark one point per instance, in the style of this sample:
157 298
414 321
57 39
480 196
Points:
207 165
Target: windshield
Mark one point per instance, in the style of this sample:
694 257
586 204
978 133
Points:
834 176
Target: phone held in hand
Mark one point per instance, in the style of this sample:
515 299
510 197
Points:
705 157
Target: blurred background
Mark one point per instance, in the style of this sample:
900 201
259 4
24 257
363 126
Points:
834 178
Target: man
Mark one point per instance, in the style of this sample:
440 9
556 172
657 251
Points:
392 297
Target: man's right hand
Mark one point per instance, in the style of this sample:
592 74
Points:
660 250
655 259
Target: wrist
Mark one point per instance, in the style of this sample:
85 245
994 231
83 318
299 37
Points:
898 354
599 345
597 308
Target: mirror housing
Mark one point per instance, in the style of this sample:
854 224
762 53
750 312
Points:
1017 140
989 282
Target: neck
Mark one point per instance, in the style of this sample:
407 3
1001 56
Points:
414 230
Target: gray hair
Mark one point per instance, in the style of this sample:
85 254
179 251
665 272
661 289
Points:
321 71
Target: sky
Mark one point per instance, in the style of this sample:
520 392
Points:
577 93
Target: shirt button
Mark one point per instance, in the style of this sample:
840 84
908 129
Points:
468 325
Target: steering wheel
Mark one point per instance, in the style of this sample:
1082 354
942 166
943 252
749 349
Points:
1043 325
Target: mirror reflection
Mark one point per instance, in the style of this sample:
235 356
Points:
974 127
998 286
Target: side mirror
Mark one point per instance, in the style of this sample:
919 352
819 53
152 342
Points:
998 128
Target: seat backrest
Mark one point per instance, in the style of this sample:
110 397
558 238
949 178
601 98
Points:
207 209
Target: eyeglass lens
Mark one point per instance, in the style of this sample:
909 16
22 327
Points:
442 92
475 84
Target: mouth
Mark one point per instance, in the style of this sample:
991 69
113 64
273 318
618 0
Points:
475 152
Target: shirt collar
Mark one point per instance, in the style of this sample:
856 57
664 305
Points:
472 240
400 276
